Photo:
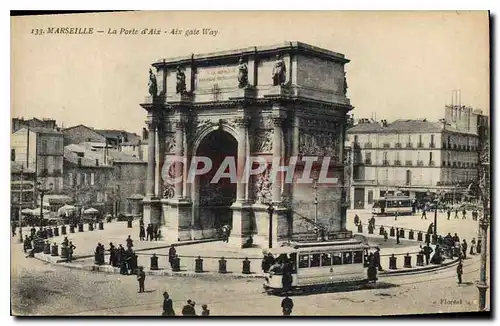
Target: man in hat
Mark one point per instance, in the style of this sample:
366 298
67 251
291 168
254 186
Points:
171 255
460 271
287 306
130 242
168 305
188 309
205 311
141 278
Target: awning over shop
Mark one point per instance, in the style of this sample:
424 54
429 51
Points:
57 199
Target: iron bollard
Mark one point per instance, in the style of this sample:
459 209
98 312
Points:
401 233
407 263
91 226
129 224
101 225
80 227
71 229
63 230
360 228
177 264
419 236
392 262
55 250
392 232
246 266
46 248
222 265
50 233
381 230
411 235
154 263
427 238
56 231
420 259
64 252
198 266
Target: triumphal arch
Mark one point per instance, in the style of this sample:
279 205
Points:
281 104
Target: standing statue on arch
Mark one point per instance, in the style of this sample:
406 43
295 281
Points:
153 86
180 87
242 74
279 71
345 84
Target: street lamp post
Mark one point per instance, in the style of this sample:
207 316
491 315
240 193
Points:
482 286
270 211
42 190
315 187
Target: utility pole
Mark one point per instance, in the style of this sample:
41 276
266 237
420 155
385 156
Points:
484 220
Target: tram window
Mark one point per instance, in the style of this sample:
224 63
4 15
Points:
337 258
357 257
303 261
347 257
326 260
315 258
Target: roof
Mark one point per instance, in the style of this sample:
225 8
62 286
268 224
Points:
398 126
115 133
16 167
91 154
42 130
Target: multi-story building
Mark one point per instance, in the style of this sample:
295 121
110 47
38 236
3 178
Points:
41 150
80 133
18 123
413 156
22 189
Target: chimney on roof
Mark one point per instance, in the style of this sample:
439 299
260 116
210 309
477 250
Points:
384 123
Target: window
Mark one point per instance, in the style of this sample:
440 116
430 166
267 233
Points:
397 156
13 155
44 146
368 156
85 179
357 257
303 261
92 176
105 196
78 179
337 258
347 257
432 139
419 138
326 259
370 197
70 179
355 139
315 260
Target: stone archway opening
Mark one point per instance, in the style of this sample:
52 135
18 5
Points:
212 200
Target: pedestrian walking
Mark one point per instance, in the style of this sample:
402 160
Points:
205 311
287 305
386 236
423 214
168 305
478 247
472 246
142 232
112 254
141 278
456 213
396 216
397 235
14 227
188 310
356 219
464 214
464 248
71 248
172 253
155 232
448 212
130 242
149 233
376 259
427 253
460 271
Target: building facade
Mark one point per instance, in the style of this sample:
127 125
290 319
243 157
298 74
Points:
18 123
415 157
22 189
275 103
79 134
41 150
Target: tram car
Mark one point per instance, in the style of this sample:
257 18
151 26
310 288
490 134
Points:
403 205
320 263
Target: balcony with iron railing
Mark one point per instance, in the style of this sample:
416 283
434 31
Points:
432 145
397 162
385 163
409 163
386 145
398 145
409 145
368 161
420 163
431 163
368 145
420 145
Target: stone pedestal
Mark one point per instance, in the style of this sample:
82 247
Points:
177 220
242 227
279 228
151 211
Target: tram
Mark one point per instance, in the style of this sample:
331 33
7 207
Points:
393 204
320 263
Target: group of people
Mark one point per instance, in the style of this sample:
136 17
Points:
151 232
283 266
187 310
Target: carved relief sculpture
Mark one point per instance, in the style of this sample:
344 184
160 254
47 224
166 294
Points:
242 74
169 143
263 141
263 188
279 71
169 188
319 144
153 86
180 87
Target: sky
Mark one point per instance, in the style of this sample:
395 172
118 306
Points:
403 64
